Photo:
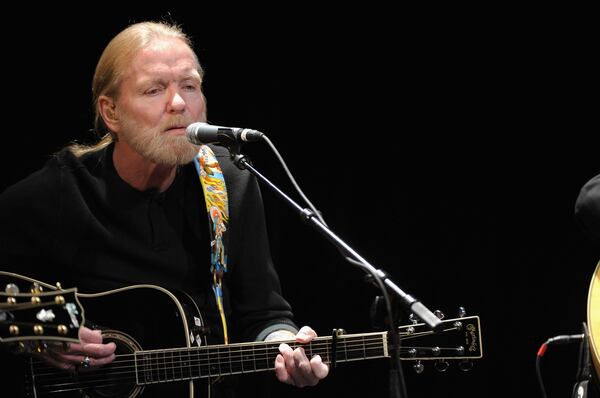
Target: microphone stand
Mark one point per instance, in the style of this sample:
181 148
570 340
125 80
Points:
409 302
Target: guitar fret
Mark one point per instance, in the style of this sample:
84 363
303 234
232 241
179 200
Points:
197 365
148 368
172 366
159 369
262 359
224 360
203 362
209 363
363 347
219 364
148 365
190 365
191 352
157 365
237 360
169 373
247 356
180 370
379 349
183 365
165 366
137 367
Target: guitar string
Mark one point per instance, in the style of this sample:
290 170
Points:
202 352
216 350
174 370
177 366
210 350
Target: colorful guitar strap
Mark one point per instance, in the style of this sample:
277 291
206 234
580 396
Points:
215 196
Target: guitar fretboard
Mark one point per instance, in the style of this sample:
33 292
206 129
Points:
159 366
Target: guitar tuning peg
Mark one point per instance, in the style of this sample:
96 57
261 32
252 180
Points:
441 365
58 286
458 325
14 330
418 367
36 288
413 319
465 365
11 289
20 348
439 314
462 312
41 347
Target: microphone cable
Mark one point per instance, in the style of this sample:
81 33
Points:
293 180
560 339
397 379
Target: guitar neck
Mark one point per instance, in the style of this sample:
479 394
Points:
158 366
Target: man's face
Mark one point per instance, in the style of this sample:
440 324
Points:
161 94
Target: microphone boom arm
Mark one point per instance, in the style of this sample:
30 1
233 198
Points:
409 302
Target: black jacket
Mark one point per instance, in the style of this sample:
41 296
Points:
76 221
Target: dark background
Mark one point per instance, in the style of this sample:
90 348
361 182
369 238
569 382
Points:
447 149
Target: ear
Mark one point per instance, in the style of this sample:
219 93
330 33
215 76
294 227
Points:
108 111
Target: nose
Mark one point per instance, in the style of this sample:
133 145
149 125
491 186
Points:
177 103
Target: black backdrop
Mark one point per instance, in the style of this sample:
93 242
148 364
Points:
447 151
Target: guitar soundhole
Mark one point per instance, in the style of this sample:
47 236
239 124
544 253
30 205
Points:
117 379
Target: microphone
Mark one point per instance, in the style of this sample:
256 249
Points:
200 133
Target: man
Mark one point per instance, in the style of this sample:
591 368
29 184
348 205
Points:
587 208
131 210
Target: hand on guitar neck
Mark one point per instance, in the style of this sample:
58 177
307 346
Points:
292 366
89 352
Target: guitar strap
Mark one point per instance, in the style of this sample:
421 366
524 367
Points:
215 197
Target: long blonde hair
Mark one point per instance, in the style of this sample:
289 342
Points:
112 65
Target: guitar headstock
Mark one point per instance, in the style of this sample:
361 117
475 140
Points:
33 315
460 339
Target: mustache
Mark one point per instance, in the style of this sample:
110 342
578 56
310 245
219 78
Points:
177 122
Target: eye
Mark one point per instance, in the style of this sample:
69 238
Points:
153 91
190 85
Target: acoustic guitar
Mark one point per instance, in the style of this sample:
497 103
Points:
161 347
593 316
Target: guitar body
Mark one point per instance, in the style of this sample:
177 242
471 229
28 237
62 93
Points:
134 318
594 319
